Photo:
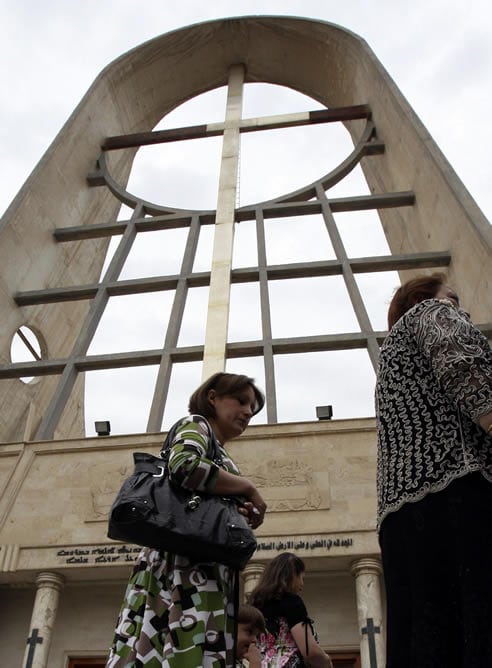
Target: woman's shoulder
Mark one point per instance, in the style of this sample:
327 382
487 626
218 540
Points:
434 308
422 309
295 601
287 602
193 418
188 430
192 422
428 314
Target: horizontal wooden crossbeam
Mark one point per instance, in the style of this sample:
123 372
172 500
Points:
245 125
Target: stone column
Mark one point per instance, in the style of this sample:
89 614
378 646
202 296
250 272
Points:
250 575
367 573
43 618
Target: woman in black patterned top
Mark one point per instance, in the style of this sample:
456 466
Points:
434 420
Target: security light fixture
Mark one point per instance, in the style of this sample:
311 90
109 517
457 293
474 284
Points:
324 412
103 427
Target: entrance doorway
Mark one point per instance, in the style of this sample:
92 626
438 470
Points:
345 660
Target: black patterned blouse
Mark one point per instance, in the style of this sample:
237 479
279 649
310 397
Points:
434 381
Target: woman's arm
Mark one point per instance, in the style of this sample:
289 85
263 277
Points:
459 354
313 655
190 468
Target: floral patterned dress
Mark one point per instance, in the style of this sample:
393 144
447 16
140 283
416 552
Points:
179 614
278 647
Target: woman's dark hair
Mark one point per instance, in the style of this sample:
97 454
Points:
248 614
412 292
276 579
224 384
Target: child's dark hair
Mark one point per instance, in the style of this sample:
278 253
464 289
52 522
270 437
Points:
248 614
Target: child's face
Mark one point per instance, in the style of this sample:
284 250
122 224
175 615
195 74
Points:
246 635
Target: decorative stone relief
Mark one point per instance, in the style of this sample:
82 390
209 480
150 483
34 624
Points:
286 485
103 493
291 484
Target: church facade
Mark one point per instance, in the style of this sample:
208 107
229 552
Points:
62 579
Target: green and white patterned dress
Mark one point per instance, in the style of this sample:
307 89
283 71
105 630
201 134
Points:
179 614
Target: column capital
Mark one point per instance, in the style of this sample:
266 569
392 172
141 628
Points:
252 570
251 576
366 566
50 580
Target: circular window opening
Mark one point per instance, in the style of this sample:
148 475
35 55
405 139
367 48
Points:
26 347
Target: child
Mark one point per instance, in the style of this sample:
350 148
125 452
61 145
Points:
250 623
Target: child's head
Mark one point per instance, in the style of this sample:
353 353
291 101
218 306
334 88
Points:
250 623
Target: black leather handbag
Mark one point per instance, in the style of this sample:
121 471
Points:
150 511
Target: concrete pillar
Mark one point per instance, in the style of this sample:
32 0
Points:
43 618
250 576
367 573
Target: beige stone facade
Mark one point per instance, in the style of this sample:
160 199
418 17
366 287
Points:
61 579
318 480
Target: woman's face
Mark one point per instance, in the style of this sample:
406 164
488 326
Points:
232 413
298 583
447 292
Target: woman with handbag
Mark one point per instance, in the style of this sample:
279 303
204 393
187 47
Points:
290 640
177 612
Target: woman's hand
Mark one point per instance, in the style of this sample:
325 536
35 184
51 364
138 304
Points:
254 512
254 507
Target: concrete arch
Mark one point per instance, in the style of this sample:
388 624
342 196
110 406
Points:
322 60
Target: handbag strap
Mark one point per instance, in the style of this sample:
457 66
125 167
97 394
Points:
149 467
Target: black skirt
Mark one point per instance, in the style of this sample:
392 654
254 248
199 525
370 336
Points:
437 561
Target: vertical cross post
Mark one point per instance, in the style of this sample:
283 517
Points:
370 630
32 642
220 276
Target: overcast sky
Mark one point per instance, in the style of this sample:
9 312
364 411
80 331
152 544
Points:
439 54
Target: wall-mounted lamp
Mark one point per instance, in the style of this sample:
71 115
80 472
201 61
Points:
324 412
103 427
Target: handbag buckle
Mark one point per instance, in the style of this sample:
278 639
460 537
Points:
159 475
194 502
